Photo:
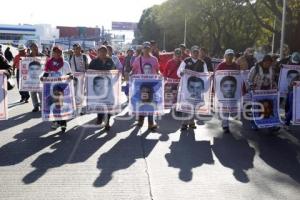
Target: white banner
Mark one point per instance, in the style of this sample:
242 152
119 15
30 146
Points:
296 104
228 90
265 106
103 91
79 82
31 69
58 99
194 93
287 73
170 92
146 94
3 96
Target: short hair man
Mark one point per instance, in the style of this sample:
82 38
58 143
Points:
195 87
228 86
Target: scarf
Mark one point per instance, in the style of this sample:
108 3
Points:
53 65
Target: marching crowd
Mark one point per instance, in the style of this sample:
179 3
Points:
145 59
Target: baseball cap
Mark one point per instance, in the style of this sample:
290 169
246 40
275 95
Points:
249 51
21 47
295 58
76 45
146 45
182 46
177 51
195 48
229 51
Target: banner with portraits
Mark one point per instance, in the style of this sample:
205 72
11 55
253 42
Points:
170 92
31 69
246 94
194 93
296 103
146 94
58 99
265 108
287 74
103 91
3 96
78 81
228 91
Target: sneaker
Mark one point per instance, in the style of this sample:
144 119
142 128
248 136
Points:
226 130
152 127
36 109
107 127
63 128
193 126
26 100
184 127
54 125
22 100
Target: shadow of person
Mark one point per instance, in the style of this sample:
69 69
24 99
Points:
280 154
27 143
75 146
188 154
234 154
167 125
18 120
123 155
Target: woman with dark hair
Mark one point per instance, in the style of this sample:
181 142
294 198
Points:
57 67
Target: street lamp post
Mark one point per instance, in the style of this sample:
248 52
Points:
184 37
282 29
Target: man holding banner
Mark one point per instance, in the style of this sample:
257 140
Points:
264 95
228 82
146 64
192 82
100 89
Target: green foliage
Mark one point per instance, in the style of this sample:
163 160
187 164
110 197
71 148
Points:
217 24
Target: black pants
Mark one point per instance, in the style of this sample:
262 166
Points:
102 115
24 95
150 119
62 123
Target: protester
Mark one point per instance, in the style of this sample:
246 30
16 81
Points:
193 63
294 60
247 61
102 62
115 58
78 61
16 66
4 65
8 55
1 50
154 49
184 54
36 97
146 64
207 60
173 65
128 63
262 77
57 67
227 64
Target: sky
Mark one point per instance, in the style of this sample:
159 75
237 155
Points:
89 13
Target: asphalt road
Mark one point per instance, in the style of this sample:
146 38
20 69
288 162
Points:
130 164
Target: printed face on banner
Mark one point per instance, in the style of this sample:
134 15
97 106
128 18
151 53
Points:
171 90
34 71
146 96
147 68
30 72
195 88
287 74
265 109
228 87
58 98
101 89
296 104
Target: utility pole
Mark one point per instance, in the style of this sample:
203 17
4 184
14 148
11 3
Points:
185 21
282 29
273 39
164 41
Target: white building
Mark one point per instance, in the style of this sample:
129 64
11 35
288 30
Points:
20 34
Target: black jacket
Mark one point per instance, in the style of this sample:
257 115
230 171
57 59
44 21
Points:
5 66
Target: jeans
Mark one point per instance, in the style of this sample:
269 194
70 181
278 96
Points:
24 94
150 119
36 98
102 115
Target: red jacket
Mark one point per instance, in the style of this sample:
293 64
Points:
171 68
224 66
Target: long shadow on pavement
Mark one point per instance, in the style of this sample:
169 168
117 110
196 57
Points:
188 154
17 120
167 125
123 155
234 154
